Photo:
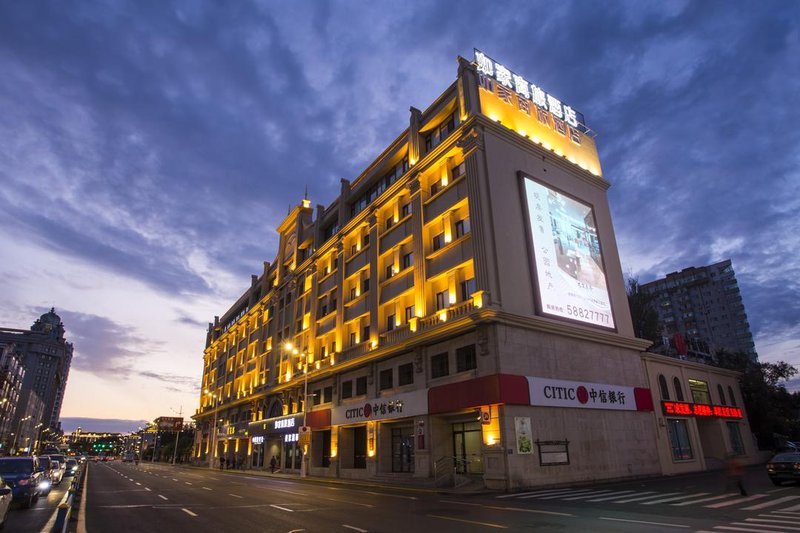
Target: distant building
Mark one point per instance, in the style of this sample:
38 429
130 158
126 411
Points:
701 311
46 357
12 374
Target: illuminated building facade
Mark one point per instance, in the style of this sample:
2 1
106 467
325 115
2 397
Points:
452 312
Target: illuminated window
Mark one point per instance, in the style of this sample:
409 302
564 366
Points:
361 386
679 439
441 300
386 379
405 374
440 365
438 241
439 133
700 392
662 387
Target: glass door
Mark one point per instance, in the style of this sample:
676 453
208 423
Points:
403 449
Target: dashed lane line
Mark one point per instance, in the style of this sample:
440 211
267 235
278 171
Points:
665 524
187 511
235 495
163 497
206 488
487 524
354 528
282 508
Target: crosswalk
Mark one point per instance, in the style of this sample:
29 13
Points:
772 522
772 502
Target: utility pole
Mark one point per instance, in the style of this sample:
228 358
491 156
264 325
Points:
177 437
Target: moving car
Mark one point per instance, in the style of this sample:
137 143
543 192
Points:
62 461
24 476
72 467
53 468
784 467
46 467
5 502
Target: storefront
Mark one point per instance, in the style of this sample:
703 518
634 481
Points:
277 437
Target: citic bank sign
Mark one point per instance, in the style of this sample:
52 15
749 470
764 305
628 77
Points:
701 410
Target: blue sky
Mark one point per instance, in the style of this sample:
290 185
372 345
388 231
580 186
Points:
148 150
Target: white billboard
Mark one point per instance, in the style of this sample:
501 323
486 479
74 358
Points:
568 259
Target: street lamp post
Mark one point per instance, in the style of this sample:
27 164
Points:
177 436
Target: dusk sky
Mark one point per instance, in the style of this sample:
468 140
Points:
148 150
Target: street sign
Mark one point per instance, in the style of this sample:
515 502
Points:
304 433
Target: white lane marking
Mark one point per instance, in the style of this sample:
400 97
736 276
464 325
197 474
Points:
187 511
652 495
206 488
573 493
354 528
613 496
768 522
487 524
526 495
737 501
591 495
138 483
235 495
290 492
282 508
748 528
711 499
148 490
770 503
173 479
676 498
163 497
499 508
795 510
187 482
351 503
665 524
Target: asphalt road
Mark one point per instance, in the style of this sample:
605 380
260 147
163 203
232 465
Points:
123 497
41 513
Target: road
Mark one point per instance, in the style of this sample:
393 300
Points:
41 513
123 497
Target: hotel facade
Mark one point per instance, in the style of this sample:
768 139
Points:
459 309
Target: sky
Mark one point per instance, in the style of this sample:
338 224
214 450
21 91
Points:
148 151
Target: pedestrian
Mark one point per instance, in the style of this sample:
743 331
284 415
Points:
272 464
221 463
736 473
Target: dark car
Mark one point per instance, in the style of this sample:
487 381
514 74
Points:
48 475
24 476
72 467
784 467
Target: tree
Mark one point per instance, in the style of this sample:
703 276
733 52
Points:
771 409
643 312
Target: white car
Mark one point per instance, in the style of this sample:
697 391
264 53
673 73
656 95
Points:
5 502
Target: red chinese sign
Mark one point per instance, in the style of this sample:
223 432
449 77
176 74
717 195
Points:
699 409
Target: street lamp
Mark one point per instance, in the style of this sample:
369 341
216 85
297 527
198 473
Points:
212 431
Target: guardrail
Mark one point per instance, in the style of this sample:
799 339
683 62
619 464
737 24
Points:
74 495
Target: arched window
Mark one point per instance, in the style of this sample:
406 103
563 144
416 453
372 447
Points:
662 385
731 396
678 390
721 395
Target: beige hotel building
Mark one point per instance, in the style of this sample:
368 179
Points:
458 311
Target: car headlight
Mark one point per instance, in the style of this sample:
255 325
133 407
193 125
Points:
44 484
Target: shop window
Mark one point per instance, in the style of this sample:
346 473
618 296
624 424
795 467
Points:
467 289
721 393
700 392
386 379
347 389
361 386
676 383
735 435
439 365
662 387
327 395
438 241
679 439
390 322
405 374
441 300
731 396
465 358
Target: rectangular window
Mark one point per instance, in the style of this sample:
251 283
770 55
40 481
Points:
465 358
700 392
352 339
365 334
389 222
679 439
735 435
441 300
408 260
458 171
347 389
409 312
438 241
364 285
405 210
386 379
390 322
405 374
332 348
467 289
440 365
352 293
353 249
389 271
365 240
361 386
317 397
435 186
327 395
462 227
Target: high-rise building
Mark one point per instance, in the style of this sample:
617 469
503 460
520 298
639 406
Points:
704 306
12 373
46 356
458 309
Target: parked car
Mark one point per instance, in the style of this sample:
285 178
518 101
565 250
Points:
72 467
55 468
784 467
46 485
24 476
5 502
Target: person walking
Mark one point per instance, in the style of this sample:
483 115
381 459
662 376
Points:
736 473
272 464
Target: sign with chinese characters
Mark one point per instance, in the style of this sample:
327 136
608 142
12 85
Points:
489 67
570 275
258 439
276 426
559 393
701 410
385 408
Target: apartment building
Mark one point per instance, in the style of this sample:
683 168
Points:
459 309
